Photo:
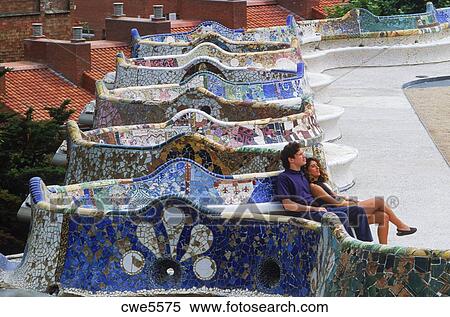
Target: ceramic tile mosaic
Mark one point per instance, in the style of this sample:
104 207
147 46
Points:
95 161
257 256
260 39
368 269
268 34
38 269
144 48
158 104
443 15
302 127
362 23
134 252
128 74
269 59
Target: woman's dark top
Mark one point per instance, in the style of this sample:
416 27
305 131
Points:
321 202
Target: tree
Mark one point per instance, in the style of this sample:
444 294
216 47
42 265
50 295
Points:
26 150
384 7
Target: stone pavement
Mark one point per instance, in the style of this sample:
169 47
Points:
432 105
397 157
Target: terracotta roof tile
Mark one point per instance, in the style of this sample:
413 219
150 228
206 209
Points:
327 3
182 29
103 60
262 13
259 16
40 88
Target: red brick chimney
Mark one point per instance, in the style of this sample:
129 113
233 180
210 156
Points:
118 27
70 58
301 7
231 13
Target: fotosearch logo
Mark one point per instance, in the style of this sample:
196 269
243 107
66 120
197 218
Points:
393 201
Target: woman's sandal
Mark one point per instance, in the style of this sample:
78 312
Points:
406 232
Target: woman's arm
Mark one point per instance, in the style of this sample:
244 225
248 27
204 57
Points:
290 205
333 194
319 192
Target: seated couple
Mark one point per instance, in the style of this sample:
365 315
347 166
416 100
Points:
302 189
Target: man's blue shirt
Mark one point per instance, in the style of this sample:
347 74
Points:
294 185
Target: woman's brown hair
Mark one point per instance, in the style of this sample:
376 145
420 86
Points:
323 174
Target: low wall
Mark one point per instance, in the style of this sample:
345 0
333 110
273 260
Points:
143 48
174 246
128 74
158 104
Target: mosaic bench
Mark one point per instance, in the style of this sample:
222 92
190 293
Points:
204 91
266 34
128 73
303 31
360 27
301 127
443 15
361 21
141 151
270 59
147 48
114 238
138 151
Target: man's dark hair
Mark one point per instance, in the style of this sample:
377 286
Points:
289 152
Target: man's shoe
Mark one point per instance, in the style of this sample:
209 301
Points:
406 232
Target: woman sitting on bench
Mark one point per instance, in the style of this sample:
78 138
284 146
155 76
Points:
376 209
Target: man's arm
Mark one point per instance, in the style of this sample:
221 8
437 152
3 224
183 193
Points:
290 205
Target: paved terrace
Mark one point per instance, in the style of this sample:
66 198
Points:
397 157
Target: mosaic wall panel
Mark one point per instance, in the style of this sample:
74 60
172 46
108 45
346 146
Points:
372 23
87 162
39 268
357 268
280 59
179 177
302 128
175 245
443 15
348 25
146 48
227 102
362 23
132 75
267 34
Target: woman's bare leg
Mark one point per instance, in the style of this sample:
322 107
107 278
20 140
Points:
377 204
382 219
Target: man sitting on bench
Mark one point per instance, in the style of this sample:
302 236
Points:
295 194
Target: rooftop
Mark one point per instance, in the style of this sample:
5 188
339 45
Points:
320 8
103 57
259 16
260 13
35 85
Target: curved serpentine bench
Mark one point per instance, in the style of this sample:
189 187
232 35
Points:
119 152
129 73
132 237
226 148
360 27
205 91
145 48
267 34
270 59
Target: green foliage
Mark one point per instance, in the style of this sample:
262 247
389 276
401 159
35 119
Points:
26 150
60 114
4 71
384 7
